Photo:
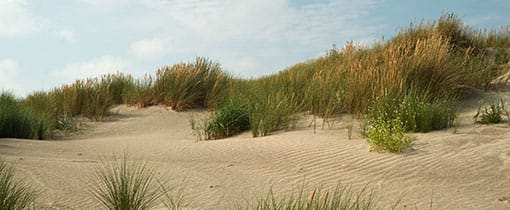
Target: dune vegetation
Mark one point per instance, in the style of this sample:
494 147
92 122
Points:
409 83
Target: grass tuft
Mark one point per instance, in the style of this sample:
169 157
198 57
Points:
124 184
341 198
14 193
493 113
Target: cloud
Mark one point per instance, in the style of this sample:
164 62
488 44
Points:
66 35
9 74
103 5
150 48
265 34
92 68
15 19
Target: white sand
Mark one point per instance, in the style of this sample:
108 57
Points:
467 170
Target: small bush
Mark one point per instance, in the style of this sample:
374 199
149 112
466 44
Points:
418 112
124 184
384 135
232 118
14 193
492 114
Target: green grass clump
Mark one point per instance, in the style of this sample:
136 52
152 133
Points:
18 121
232 118
123 184
187 85
14 193
493 113
341 198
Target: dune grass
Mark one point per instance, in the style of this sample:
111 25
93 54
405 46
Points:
341 198
20 121
231 118
435 63
126 184
492 112
15 193
187 85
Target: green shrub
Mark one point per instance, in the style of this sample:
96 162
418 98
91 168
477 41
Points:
418 112
232 118
15 193
492 114
125 184
387 135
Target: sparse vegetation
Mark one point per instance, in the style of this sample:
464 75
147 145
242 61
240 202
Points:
342 198
493 113
15 193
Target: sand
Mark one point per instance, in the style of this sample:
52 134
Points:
469 169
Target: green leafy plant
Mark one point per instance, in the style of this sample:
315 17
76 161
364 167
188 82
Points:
68 124
493 113
387 135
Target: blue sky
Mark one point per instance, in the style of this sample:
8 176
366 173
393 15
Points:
47 43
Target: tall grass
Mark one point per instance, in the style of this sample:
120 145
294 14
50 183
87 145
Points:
187 85
18 121
124 184
444 59
141 93
15 193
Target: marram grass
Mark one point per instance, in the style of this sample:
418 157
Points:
125 184
15 193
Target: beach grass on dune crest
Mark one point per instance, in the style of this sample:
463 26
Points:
126 184
15 193
187 85
420 74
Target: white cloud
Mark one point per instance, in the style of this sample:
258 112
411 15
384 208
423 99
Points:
93 68
150 48
266 34
15 19
103 5
9 76
66 35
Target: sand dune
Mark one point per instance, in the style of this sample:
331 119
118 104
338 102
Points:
466 170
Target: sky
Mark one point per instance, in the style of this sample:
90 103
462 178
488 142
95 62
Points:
47 43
